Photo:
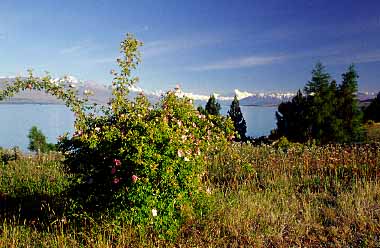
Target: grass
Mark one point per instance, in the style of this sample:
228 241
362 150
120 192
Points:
259 197
372 131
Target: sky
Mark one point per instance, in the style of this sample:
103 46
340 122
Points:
204 46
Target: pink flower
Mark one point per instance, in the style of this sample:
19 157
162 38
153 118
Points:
116 180
117 162
134 178
77 133
180 153
113 170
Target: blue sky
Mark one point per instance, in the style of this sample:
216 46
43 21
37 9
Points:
205 46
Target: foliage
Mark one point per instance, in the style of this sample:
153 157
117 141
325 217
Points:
291 121
258 196
212 106
372 112
37 141
348 106
237 118
9 154
141 164
327 112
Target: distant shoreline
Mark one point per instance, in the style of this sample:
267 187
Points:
58 103
30 103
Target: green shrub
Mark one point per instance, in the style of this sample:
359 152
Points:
140 163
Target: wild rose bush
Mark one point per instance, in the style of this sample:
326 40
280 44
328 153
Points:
142 163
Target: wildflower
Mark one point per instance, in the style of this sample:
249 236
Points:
97 129
154 212
186 159
116 180
198 151
180 153
179 123
134 178
117 162
208 190
64 220
200 116
183 137
194 125
77 133
113 170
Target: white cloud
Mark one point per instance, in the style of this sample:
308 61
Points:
159 47
242 62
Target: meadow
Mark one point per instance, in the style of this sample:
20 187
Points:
281 195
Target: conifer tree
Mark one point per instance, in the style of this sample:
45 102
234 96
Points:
212 106
238 119
348 106
319 103
291 119
372 112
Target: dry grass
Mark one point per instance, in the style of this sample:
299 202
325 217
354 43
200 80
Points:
259 197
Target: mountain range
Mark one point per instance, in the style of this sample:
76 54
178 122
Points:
102 93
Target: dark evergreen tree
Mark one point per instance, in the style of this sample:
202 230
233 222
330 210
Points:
348 106
372 112
328 113
201 110
238 119
212 106
291 119
320 106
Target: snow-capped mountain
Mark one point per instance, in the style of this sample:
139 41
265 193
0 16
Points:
102 93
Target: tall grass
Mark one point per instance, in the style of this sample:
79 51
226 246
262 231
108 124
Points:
262 196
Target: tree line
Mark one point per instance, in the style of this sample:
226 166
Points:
324 111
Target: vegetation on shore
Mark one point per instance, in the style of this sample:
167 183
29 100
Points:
283 195
137 174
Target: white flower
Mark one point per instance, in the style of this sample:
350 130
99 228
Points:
208 191
97 129
154 212
186 159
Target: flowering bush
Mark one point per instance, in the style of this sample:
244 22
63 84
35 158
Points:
142 162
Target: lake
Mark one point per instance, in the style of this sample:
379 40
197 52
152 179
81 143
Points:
54 120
